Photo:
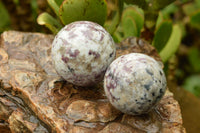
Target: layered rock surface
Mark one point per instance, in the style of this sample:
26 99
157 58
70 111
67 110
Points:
33 98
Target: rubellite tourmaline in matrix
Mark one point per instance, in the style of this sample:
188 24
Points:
82 51
134 83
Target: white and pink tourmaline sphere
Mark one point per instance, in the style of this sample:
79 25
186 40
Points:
82 51
134 83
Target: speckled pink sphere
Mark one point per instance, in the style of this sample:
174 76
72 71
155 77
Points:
82 51
134 83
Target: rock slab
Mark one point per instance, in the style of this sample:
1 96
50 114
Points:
33 98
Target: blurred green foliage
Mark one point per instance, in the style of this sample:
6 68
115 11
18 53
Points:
191 10
34 8
192 84
5 18
192 81
194 59
195 20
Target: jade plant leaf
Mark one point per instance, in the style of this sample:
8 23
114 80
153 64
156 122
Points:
117 37
77 10
53 4
160 19
136 15
129 27
172 44
169 10
162 35
50 22
165 13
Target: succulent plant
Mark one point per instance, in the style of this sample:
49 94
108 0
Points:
82 51
134 83
74 10
123 20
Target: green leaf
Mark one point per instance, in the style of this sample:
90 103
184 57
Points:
34 9
150 19
117 37
190 8
59 2
172 44
171 9
54 6
162 35
159 4
112 26
140 3
192 84
194 59
137 15
5 18
195 20
50 22
197 2
77 10
160 19
129 27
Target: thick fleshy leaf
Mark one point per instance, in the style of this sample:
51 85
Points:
117 37
162 35
160 19
129 27
54 6
77 10
50 22
170 9
165 13
137 15
172 44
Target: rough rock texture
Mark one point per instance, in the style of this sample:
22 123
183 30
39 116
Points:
18 118
33 98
